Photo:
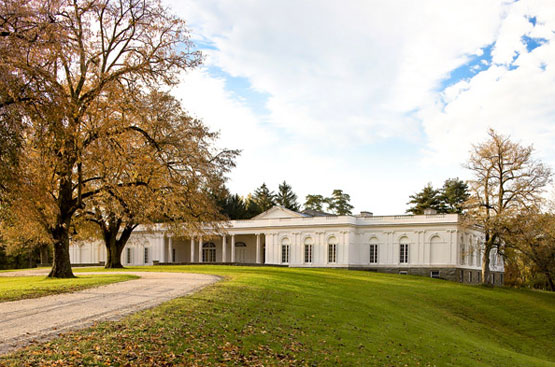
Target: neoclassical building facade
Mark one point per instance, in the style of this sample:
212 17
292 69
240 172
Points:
434 245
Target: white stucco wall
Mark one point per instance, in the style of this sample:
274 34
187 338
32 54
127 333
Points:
434 241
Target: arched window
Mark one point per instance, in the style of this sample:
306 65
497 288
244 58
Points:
240 244
404 250
308 249
332 250
208 252
285 243
373 250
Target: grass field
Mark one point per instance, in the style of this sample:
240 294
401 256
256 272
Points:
315 317
14 288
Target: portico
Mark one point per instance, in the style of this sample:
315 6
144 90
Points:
240 247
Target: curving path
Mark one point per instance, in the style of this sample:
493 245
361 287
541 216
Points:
39 319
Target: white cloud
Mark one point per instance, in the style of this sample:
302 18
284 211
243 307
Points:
516 101
343 77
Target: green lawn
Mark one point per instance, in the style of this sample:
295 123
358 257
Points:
281 316
14 288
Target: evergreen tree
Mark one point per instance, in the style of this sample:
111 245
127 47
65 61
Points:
264 198
234 207
286 197
253 209
314 202
339 203
428 198
453 195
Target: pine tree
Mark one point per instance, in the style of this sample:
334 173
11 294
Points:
234 207
286 197
428 198
314 202
253 209
264 198
453 195
339 204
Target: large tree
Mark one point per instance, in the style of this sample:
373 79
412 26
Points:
427 198
286 197
164 169
339 203
315 202
73 62
264 198
531 238
453 195
507 180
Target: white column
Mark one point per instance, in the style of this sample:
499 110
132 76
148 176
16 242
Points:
170 249
267 250
200 250
232 248
258 248
192 249
162 244
224 248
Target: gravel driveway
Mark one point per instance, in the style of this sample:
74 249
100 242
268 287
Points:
39 319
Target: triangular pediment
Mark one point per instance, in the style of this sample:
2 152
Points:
278 212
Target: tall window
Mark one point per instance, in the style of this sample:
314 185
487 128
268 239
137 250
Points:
332 250
285 251
208 252
463 254
129 258
173 255
404 253
308 248
146 255
373 253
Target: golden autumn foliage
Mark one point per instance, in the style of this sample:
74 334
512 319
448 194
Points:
76 81
507 182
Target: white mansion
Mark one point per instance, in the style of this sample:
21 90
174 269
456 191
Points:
433 245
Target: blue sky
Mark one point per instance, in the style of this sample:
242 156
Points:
374 98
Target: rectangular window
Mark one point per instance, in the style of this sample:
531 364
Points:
129 255
373 253
146 255
404 253
285 254
307 253
332 253
462 254
403 273
470 277
434 274
173 255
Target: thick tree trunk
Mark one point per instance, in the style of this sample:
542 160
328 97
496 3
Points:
61 266
113 252
115 245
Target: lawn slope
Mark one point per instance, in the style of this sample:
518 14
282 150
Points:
281 316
